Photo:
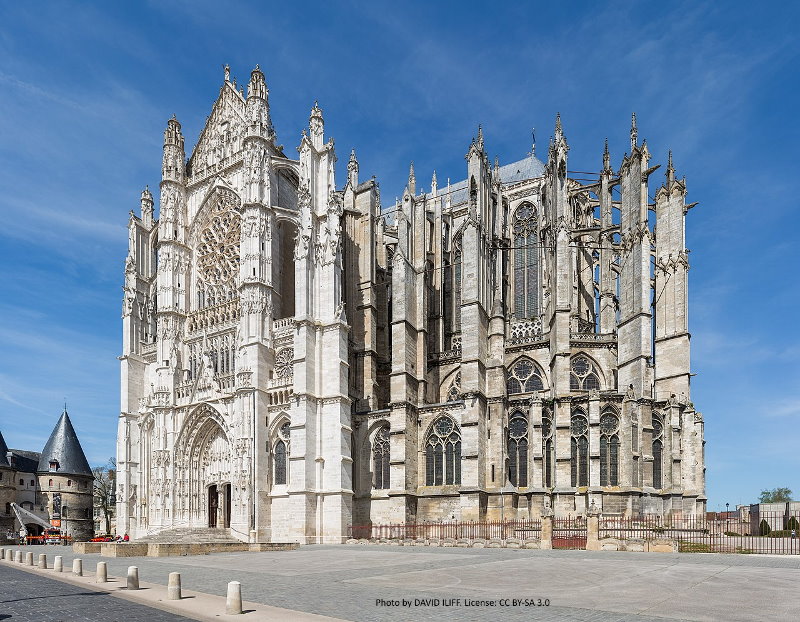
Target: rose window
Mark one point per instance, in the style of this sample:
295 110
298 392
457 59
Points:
284 363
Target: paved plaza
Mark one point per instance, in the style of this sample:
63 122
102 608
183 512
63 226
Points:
28 597
363 583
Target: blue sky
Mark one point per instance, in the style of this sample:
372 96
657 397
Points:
86 89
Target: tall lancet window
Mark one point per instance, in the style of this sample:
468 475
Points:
609 450
380 457
518 449
579 454
658 453
443 453
281 454
526 262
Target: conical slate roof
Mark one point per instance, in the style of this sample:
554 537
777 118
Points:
3 451
64 447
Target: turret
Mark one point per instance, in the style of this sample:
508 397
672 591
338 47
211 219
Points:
259 122
173 167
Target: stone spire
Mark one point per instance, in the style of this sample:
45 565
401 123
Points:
606 159
434 184
559 129
64 449
316 125
412 180
227 72
480 137
634 132
496 170
670 171
146 204
352 169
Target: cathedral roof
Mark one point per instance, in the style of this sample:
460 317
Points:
527 168
3 451
64 448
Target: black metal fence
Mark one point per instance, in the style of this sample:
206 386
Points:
767 533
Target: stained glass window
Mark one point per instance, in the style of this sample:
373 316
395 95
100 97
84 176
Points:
280 463
658 450
583 375
443 453
526 262
380 457
609 450
579 450
523 377
518 449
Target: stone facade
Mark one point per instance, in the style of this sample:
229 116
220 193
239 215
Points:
298 359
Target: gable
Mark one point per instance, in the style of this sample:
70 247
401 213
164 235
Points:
220 141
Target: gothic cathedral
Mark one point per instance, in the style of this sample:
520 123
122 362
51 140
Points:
298 359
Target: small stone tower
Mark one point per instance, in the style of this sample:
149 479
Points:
63 469
8 491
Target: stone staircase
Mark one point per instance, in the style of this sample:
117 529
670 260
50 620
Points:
190 535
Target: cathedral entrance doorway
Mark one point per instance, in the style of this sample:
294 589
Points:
213 506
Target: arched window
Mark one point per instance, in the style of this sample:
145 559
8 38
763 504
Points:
443 453
579 457
523 377
518 449
526 262
380 457
658 450
281 453
609 449
548 454
583 376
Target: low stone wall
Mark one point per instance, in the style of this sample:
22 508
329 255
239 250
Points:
161 549
86 547
478 543
197 548
257 547
640 546
123 549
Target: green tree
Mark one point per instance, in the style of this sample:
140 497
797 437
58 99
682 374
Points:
104 487
764 528
776 495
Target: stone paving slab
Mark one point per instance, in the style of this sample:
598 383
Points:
348 581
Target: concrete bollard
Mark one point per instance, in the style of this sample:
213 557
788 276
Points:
42 561
58 564
29 559
174 586
101 574
233 603
9 555
133 578
77 567
18 556
3 553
